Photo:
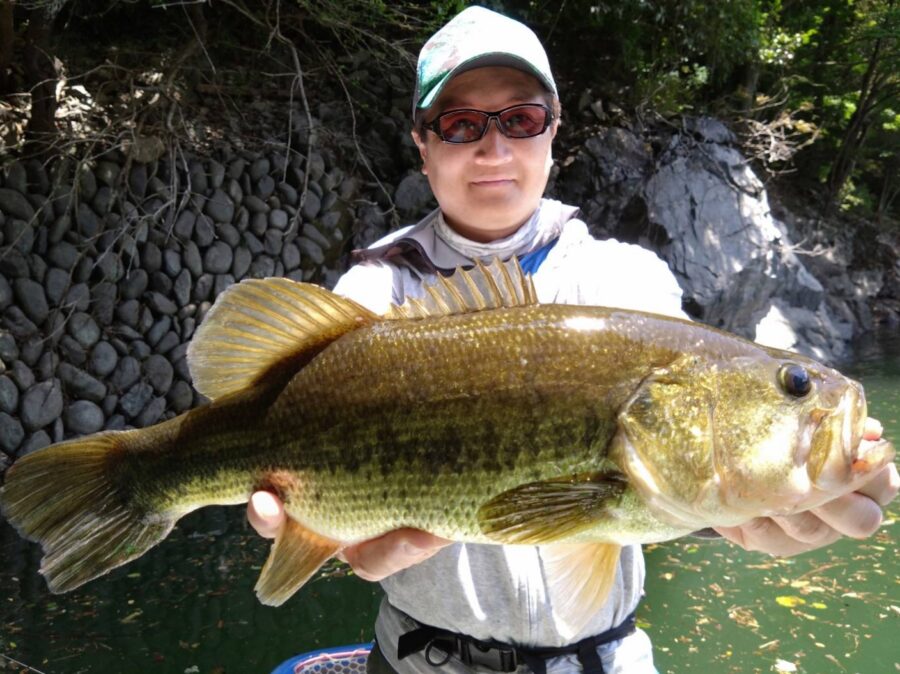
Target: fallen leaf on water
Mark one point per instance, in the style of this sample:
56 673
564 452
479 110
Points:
784 666
131 617
789 601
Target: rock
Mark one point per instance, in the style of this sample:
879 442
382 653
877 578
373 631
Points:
102 202
278 219
184 224
18 324
83 417
222 283
159 373
103 302
21 375
290 256
161 283
312 250
259 168
129 312
413 196
216 173
9 350
103 359
288 193
63 255
180 396
241 262
192 259
140 349
311 206
127 372
86 221
9 395
14 204
220 207
151 413
31 350
182 288
84 329
41 405
116 423
229 234
13 264
169 341
32 299
137 179
202 288
35 441
159 328
107 172
255 205
11 433
20 234
78 297
136 399
46 365
151 257
55 284
259 223
218 258
162 304
72 351
204 231
272 242
6 293
79 384
265 187
17 177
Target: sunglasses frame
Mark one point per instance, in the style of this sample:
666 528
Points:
434 127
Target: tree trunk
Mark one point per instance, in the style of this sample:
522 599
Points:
40 78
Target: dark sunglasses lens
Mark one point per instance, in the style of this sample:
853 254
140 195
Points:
524 121
462 126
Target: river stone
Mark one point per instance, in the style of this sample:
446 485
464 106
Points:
202 288
109 404
83 417
19 325
272 242
41 405
38 267
180 396
182 288
216 173
265 186
161 283
241 262
116 423
161 305
78 297
311 206
18 233
13 263
21 375
107 172
32 299
46 365
192 259
222 283
311 250
146 320
187 327
103 359
171 262
6 293
278 219
290 256
102 201
218 258
262 267
129 312
17 177
137 179
127 372
58 229
110 265
254 245
151 257
220 207
151 413
11 433
159 328
31 350
103 303
9 350
84 328
79 384
140 349
55 284
86 221
63 255
9 395
228 233
159 373
14 204
72 351
169 341
184 224
255 205
35 441
236 167
204 231
259 168
136 399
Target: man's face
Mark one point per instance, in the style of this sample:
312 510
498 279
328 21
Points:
488 188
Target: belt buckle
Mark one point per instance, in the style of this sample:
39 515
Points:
499 658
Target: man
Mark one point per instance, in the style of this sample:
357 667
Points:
486 111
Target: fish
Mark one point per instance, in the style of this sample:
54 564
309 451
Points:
473 412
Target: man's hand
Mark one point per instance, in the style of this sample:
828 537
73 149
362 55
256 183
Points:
371 560
856 515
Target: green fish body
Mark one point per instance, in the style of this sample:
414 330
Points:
474 413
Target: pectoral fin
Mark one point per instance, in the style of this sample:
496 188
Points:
543 512
296 555
580 576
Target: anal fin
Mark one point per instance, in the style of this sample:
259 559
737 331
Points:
580 577
296 555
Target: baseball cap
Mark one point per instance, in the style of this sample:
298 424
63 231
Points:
474 38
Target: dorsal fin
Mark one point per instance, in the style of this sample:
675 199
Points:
492 286
262 325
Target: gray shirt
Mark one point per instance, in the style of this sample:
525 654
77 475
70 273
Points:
492 591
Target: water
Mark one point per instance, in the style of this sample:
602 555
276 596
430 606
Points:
188 606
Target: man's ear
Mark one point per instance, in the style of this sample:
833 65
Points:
423 150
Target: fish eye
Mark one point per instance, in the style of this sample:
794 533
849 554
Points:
795 380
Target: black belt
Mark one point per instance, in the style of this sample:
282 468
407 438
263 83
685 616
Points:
505 657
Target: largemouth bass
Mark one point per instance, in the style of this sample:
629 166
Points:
474 413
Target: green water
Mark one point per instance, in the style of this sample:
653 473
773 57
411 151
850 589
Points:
188 606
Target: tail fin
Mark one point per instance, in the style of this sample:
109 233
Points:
64 497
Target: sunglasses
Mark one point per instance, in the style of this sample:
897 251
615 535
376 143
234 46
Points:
467 126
